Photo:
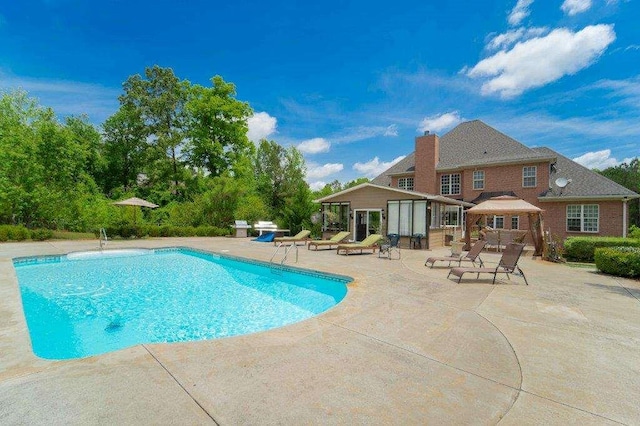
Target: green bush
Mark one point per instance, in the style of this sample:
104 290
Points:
634 232
619 261
582 249
41 234
14 233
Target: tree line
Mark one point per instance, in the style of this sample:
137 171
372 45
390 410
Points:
180 145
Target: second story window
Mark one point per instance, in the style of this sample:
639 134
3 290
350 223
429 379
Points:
450 184
406 183
529 177
478 179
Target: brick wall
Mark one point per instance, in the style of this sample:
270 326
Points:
610 223
426 158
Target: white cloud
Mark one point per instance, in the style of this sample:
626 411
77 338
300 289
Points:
261 125
519 12
317 171
599 160
374 167
314 146
573 7
365 132
317 186
435 123
542 60
66 97
508 39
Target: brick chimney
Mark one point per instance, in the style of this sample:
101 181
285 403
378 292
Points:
427 154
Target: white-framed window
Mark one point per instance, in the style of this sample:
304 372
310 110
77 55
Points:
450 184
529 179
478 179
498 222
583 217
451 216
407 217
515 222
405 183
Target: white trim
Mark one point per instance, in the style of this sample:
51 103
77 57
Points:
582 219
422 195
624 217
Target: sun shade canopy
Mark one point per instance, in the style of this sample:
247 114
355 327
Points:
134 201
504 205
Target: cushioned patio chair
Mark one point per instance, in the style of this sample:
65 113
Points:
508 265
301 236
369 243
471 256
333 241
390 246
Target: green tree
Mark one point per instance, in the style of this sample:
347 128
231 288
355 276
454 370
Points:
279 174
124 149
20 175
160 100
628 175
217 127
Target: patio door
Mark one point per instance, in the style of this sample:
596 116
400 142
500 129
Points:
366 222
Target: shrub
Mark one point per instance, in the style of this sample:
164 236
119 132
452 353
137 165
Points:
582 249
619 261
41 234
19 233
634 232
14 233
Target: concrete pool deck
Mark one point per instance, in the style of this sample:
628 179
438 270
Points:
406 346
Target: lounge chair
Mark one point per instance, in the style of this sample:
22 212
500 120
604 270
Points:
300 236
369 243
508 265
471 256
392 245
333 241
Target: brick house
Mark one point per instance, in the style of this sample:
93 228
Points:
474 162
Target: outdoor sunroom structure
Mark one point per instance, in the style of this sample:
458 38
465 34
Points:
373 209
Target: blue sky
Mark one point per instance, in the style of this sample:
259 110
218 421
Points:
351 83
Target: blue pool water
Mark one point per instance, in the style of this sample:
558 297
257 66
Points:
90 303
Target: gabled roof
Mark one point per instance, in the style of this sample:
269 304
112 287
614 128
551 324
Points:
406 165
475 143
584 183
423 195
470 144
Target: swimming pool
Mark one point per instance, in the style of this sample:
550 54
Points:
84 304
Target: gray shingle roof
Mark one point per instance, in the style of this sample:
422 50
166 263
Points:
475 143
584 182
407 164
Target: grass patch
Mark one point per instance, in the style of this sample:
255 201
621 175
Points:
583 265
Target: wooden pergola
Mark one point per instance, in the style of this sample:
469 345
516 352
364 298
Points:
508 205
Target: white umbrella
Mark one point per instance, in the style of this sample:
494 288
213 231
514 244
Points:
136 202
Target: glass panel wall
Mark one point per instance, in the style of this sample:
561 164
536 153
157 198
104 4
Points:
335 217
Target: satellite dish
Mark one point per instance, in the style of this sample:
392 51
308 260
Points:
562 182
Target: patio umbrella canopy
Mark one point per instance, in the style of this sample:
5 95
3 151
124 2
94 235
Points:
136 202
508 205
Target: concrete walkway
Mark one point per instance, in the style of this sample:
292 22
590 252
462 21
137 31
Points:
406 346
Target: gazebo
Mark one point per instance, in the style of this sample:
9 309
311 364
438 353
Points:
508 205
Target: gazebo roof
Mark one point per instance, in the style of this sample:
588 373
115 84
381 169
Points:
504 204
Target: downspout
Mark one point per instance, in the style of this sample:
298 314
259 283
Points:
624 217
